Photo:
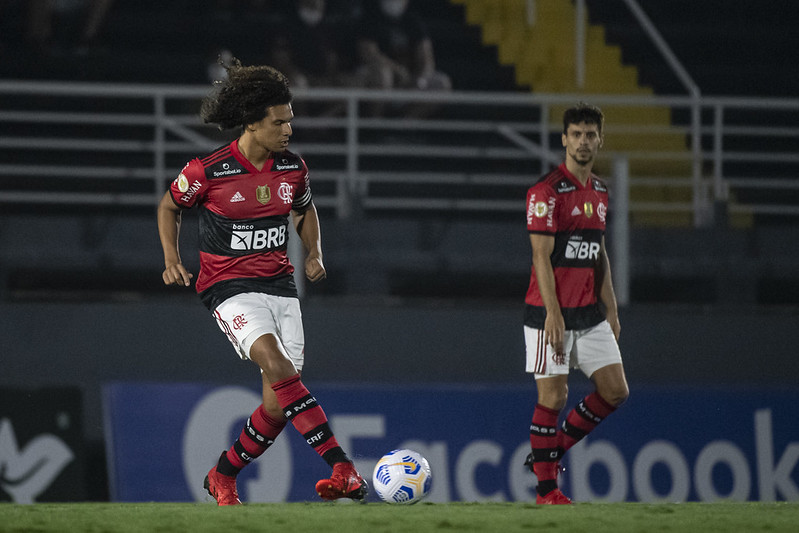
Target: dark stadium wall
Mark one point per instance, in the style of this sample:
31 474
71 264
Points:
87 345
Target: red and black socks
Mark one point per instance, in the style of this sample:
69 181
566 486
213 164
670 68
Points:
302 410
259 433
544 443
583 419
549 444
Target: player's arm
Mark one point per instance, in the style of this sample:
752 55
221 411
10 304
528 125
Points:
554 326
169 218
606 293
306 222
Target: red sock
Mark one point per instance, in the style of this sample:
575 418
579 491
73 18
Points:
259 433
544 442
302 410
583 419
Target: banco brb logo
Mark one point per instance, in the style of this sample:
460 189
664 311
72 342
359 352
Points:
245 237
579 249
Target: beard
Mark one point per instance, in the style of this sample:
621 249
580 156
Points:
582 158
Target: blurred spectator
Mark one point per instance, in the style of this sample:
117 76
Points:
65 25
311 41
315 47
320 36
237 8
395 44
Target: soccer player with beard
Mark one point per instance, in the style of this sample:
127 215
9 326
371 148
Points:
571 316
246 191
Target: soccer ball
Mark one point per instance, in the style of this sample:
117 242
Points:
402 476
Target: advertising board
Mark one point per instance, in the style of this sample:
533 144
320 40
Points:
666 444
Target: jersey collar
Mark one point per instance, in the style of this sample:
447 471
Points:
234 149
571 177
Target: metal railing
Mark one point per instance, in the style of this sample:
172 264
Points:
114 144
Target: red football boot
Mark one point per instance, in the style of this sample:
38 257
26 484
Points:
222 488
555 497
344 482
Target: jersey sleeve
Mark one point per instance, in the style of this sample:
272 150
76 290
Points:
190 185
303 197
541 204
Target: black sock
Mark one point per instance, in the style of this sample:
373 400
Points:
546 486
335 455
226 468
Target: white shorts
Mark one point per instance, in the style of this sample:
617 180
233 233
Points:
245 317
587 349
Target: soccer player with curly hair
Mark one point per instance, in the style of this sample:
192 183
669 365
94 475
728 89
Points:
246 192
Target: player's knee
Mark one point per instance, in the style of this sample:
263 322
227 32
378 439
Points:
554 397
617 395
274 364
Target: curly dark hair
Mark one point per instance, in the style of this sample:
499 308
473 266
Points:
582 112
243 98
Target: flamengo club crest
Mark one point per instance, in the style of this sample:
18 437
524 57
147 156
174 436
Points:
263 194
286 192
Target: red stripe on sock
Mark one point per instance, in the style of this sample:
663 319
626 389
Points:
266 426
594 403
290 390
598 405
544 417
234 459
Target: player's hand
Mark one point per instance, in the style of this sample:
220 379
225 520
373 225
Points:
554 330
177 275
314 269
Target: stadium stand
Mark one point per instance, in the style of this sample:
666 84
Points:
730 51
171 42
742 49
172 47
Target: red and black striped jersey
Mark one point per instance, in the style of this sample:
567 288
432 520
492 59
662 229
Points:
244 216
575 215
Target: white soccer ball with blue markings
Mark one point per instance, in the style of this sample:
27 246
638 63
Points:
402 476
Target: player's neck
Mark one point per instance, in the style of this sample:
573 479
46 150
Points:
581 172
253 152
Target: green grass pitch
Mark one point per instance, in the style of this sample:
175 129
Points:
384 518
